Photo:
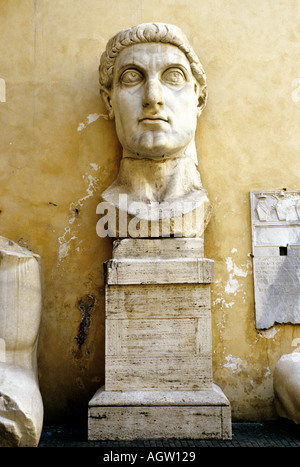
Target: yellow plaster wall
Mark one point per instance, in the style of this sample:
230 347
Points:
58 152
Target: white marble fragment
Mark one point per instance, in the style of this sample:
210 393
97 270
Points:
21 406
276 256
287 386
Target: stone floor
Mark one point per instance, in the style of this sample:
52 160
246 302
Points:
280 433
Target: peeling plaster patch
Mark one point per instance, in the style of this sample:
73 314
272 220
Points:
235 270
222 306
2 90
268 372
233 285
244 299
268 334
90 190
223 302
235 364
64 246
73 209
90 119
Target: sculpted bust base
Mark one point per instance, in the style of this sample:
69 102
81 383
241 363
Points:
175 204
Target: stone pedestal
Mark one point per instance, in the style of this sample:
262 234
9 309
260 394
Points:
158 363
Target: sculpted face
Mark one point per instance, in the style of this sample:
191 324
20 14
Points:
154 100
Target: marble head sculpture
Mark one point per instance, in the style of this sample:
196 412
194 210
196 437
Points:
154 87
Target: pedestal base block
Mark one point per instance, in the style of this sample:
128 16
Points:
130 415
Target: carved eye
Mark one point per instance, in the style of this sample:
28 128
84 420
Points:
131 77
174 76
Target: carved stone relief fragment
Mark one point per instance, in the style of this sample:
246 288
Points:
275 219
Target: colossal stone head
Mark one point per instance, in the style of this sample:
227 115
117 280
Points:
154 85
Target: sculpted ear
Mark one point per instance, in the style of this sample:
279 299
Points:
202 98
106 96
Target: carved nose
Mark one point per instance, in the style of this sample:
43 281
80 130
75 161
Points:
153 95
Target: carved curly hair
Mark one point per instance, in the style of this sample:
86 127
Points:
150 32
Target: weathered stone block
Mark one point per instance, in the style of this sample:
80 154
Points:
154 373
158 337
159 271
162 248
164 301
159 414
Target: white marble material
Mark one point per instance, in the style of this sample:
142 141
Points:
276 250
287 386
21 405
160 271
163 248
130 415
158 353
155 91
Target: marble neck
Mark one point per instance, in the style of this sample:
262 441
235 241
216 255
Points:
158 180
